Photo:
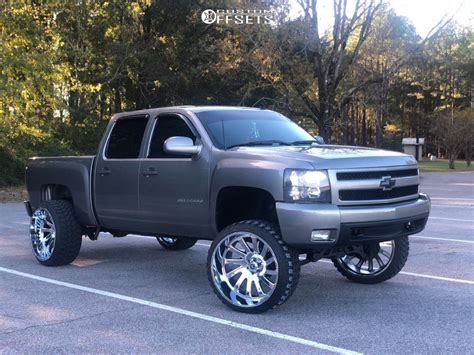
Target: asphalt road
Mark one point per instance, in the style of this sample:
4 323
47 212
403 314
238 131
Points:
130 295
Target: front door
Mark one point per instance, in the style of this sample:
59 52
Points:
174 188
116 175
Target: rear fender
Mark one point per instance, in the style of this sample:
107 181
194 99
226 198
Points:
56 178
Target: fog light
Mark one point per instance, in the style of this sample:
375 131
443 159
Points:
409 226
321 235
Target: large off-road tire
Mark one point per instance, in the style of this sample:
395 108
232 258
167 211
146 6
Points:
373 263
56 235
175 243
250 268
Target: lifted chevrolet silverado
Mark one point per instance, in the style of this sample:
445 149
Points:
269 195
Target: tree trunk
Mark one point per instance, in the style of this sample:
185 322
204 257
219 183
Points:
468 153
378 127
364 127
356 126
452 159
323 118
345 125
117 101
353 123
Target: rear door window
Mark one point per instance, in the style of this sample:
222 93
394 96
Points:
126 138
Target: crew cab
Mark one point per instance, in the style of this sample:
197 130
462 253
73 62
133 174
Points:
269 196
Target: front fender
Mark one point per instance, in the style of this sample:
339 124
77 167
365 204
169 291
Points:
257 173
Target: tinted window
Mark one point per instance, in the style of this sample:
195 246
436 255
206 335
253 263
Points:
126 138
232 127
166 127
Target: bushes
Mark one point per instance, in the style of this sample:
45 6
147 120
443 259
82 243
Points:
20 142
12 169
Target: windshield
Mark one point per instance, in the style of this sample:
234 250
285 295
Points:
232 128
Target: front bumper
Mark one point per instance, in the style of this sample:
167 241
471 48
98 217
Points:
351 224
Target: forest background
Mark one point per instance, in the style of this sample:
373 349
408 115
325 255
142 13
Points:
368 78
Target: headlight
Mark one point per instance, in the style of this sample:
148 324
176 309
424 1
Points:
306 186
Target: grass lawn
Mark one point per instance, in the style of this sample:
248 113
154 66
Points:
442 165
13 194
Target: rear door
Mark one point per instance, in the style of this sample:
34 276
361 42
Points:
116 174
174 188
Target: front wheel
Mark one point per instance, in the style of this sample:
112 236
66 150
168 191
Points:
175 243
371 263
250 268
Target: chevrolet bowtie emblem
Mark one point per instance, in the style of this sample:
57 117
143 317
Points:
387 183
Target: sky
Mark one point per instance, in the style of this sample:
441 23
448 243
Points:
424 14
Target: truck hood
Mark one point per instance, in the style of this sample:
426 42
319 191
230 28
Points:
334 156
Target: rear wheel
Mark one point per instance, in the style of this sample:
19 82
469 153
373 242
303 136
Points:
250 268
371 263
175 243
56 235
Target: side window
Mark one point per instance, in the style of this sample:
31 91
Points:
126 138
166 127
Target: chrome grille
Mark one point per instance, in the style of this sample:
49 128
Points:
374 185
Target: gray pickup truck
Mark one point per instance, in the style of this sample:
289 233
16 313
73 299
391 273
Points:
269 195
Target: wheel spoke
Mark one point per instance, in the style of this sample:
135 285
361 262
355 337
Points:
255 244
371 265
270 261
248 289
379 261
235 271
267 282
258 287
245 245
239 282
235 250
271 272
234 261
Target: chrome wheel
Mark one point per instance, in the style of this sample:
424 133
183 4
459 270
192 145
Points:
244 269
175 243
368 259
43 234
372 263
167 240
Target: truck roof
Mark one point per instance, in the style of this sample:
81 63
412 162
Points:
196 109
215 108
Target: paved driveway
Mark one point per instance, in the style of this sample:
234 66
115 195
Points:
130 295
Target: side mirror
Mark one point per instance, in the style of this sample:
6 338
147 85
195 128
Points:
319 139
181 145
